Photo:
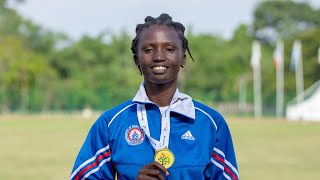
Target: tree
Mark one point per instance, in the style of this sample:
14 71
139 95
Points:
21 70
101 73
283 19
213 77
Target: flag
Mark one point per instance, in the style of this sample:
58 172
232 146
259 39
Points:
278 55
255 55
295 55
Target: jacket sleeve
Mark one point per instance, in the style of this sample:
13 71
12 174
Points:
94 159
223 160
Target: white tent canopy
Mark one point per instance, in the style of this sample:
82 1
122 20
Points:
307 110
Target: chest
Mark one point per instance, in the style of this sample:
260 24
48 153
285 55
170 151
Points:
191 141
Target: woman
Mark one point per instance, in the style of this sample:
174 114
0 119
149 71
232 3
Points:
161 133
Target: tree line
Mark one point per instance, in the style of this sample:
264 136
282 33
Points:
44 70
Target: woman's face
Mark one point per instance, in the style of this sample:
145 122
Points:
159 55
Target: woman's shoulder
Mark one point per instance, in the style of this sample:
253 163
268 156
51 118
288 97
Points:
110 113
207 111
116 109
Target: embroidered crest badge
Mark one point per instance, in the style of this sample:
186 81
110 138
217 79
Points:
134 135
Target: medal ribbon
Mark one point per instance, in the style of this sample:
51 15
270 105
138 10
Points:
165 127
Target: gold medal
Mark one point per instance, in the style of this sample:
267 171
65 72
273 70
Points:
165 157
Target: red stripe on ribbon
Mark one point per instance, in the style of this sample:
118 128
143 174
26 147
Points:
225 167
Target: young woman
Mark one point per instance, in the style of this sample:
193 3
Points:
161 133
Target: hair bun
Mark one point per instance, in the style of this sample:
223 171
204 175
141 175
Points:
149 19
165 17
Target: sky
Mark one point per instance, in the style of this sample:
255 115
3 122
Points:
79 17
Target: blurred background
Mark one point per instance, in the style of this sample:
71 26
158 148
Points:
257 62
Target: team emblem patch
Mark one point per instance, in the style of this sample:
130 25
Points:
134 135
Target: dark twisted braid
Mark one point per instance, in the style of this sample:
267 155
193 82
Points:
163 19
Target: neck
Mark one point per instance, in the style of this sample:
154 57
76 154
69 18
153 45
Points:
161 95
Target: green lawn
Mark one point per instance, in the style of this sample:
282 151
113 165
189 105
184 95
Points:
271 149
44 147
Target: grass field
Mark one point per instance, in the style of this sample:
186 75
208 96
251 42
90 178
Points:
37 147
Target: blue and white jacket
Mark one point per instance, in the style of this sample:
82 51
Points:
199 139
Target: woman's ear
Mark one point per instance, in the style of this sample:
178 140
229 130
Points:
136 62
183 62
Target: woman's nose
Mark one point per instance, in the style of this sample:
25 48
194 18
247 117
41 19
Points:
159 56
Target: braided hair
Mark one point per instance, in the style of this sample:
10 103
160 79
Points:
163 19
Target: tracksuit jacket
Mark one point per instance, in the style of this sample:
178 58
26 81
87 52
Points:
117 146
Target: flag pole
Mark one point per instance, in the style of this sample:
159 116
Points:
242 94
319 55
279 59
299 71
255 63
257 92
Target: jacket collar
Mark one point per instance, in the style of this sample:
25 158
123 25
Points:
180 103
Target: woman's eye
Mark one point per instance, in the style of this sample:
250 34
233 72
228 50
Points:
148 50
169 49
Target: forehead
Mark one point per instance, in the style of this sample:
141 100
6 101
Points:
159 33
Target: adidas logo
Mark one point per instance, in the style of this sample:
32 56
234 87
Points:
188 136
